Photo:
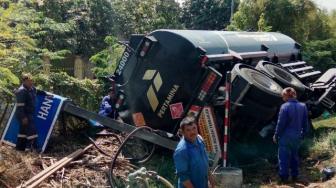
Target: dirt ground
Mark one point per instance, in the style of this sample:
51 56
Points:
310 175
89 170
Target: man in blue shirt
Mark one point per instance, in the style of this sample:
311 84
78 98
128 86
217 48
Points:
107 106
190 157
291 127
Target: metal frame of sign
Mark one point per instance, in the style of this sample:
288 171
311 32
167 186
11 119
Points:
7 126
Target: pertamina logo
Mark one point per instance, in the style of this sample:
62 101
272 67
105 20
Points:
154 88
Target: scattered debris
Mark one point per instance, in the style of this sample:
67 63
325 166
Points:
2 164
84 167
37 179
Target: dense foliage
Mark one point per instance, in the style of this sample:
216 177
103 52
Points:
138 16
321 53
8 81
207 15
35 30
17 47
105 60
85 93
300 19
83 25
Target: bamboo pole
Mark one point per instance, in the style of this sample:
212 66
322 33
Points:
40 174
37 179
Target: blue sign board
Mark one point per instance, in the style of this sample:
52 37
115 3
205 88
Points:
47 110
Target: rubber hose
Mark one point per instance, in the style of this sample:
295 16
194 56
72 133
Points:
110 173
165 181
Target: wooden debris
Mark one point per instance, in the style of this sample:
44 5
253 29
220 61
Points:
37 179
93 165
4 184
62 175
44 166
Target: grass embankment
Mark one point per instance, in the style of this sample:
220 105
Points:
324 140
318 151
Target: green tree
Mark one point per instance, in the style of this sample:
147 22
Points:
332 22
246 18
262 24
300 19
8 81
140 17
82 27
208 15
106 60
144 17
321 53
23 32
17 47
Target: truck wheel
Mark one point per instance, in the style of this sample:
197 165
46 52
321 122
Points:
315 111
138 151
281 76
257 111
254 85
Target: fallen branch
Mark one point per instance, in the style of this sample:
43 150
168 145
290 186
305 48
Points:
62 176
37 179
4 183
44 166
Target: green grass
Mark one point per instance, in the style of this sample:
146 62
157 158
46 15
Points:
162 163
323 143
329 122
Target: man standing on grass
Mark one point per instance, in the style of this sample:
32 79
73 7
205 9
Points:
291 127
190 157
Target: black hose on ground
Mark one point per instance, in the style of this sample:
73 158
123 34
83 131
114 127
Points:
110 172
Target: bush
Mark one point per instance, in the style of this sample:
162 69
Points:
85 93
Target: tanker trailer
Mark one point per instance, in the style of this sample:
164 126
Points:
171 73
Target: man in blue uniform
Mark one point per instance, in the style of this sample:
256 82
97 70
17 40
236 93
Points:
25 107
190 157
291 127
107 106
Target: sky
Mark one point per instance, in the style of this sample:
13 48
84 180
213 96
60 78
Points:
324 4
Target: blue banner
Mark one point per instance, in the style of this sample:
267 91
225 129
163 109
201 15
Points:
46 112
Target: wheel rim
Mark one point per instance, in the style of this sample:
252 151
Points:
261 80
283 75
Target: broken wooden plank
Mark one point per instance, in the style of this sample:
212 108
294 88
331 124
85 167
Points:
37 179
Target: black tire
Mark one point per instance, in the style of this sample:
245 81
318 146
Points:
256 111
315 111
138 151
255 85
281 76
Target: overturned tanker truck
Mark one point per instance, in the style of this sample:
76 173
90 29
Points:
169 73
